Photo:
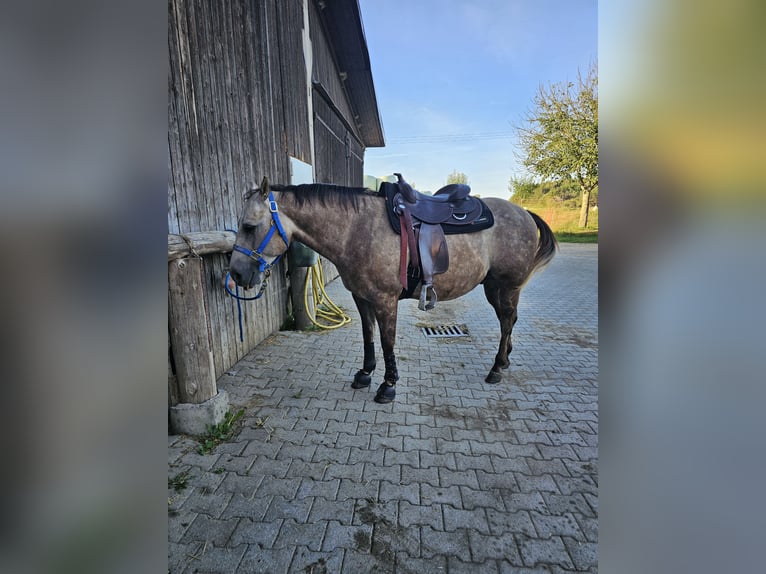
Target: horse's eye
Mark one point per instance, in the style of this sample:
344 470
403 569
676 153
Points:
247 228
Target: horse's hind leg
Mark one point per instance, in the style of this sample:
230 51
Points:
363 377
505 302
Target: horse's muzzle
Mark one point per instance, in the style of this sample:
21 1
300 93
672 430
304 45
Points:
245 278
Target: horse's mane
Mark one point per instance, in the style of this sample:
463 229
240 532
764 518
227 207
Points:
326 194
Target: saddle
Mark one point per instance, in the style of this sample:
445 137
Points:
422 221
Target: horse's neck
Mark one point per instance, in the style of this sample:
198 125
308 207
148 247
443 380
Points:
325 228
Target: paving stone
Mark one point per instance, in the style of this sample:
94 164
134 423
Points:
458 478
508 568
491 480
552 551
201 557
421 515
269 468
295 534
438 432
392 457
354 537
473 499
251 507
515 501
583 554
355 562
178 523
285 487
364 455
419 475
492 548
308 561
392 473
501 464
435 565
258 533
245 485
295 508
389 492
431 494
265 560
440 543
326 510
502 522
350 489
539 483
475 519
589 527
210 504
213 530
563 525
474 462
422 444
558 504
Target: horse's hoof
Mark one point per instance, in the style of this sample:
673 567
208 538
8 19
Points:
493 378
362 380
386 394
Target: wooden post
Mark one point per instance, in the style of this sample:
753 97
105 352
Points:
300 312
189 332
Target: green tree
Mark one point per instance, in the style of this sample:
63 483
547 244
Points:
522 189
457 177
560 139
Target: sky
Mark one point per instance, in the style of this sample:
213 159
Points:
455 78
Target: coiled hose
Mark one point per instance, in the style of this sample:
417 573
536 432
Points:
325 310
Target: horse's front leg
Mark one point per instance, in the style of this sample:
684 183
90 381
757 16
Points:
386 315
363 376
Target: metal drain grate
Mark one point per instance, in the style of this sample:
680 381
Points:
443 331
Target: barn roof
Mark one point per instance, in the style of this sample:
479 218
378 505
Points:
343 21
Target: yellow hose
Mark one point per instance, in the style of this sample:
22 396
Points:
324 309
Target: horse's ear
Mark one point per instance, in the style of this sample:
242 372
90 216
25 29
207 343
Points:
265 187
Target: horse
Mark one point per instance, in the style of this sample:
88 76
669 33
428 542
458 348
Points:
349 226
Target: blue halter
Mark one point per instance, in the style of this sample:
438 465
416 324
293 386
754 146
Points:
257 255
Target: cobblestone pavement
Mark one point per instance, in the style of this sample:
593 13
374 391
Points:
455 476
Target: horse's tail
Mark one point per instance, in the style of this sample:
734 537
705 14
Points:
546 245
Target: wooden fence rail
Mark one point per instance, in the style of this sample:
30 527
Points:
199 243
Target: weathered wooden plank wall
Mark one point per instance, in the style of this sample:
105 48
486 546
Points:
237 109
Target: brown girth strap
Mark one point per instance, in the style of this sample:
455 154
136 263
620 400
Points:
408 239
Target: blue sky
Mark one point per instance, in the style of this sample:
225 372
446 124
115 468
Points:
454 77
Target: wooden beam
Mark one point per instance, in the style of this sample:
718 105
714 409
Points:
189 332
199 243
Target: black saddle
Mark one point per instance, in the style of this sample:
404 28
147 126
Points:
451 207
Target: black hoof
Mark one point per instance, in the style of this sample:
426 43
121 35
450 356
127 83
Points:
386 394
493 378
362 380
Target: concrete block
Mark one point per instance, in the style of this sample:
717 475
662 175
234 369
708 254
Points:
193 419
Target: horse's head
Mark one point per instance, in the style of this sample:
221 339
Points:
261 239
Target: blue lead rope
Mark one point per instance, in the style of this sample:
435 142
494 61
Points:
237 297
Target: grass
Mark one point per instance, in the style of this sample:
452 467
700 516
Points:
179 482
221 432
565 223
576 236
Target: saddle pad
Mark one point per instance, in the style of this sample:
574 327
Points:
484 220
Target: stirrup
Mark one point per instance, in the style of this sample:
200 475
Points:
422 305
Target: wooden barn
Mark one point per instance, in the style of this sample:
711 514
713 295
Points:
276 88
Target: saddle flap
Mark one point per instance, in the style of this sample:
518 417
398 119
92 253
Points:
434 255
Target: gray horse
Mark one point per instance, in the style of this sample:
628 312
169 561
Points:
349 226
